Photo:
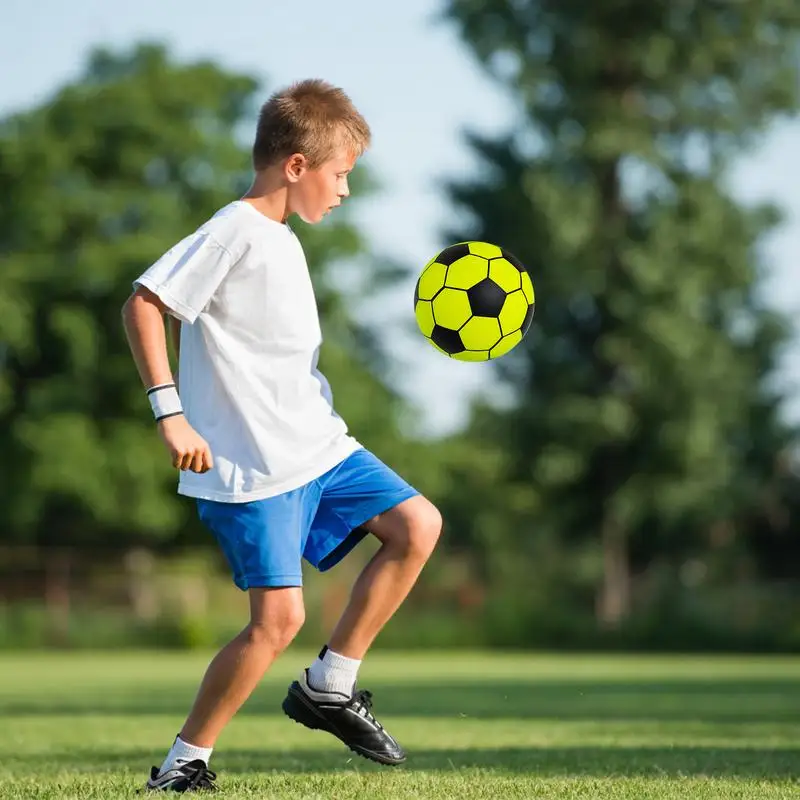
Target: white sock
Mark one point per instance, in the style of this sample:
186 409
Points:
333 673
181 753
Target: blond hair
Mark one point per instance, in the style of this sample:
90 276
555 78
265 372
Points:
310 117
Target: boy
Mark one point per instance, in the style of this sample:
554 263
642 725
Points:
273 470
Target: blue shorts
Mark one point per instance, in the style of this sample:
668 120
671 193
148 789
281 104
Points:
265 540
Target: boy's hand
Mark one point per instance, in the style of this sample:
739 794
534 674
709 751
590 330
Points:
188 449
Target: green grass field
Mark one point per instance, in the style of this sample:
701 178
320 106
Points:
475 726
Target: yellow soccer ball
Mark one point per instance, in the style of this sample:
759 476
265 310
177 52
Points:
474 301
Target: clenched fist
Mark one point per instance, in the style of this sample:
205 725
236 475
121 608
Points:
188 449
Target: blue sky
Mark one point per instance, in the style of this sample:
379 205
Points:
418 86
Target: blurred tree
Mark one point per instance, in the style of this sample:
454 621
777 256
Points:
94 186
643 418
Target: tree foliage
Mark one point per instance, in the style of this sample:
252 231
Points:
644 419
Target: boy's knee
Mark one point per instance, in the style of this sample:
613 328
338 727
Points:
277 628
277 636
423 530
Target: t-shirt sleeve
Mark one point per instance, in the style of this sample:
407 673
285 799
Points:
187 275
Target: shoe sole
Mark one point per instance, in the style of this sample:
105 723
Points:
299 709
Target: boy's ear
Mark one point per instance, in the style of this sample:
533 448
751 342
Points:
295 166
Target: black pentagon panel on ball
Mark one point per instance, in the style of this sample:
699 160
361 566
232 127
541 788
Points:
486 298
452 253
447 340
416 294
512 259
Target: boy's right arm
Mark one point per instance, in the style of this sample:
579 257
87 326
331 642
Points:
143 320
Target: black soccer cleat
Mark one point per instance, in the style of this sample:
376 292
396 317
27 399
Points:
194 776
347 718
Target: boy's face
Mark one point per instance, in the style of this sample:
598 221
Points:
313 193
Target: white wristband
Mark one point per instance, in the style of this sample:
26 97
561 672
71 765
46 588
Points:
164 401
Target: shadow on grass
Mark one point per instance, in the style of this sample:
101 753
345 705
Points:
746 762
731 701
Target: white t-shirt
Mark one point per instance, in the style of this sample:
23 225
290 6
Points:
250 340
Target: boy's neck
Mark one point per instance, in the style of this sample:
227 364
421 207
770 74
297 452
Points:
268 195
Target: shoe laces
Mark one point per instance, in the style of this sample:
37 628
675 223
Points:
202 778
361 702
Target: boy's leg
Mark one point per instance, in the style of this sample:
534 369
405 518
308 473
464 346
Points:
263 542
408 527
276 616
408 534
